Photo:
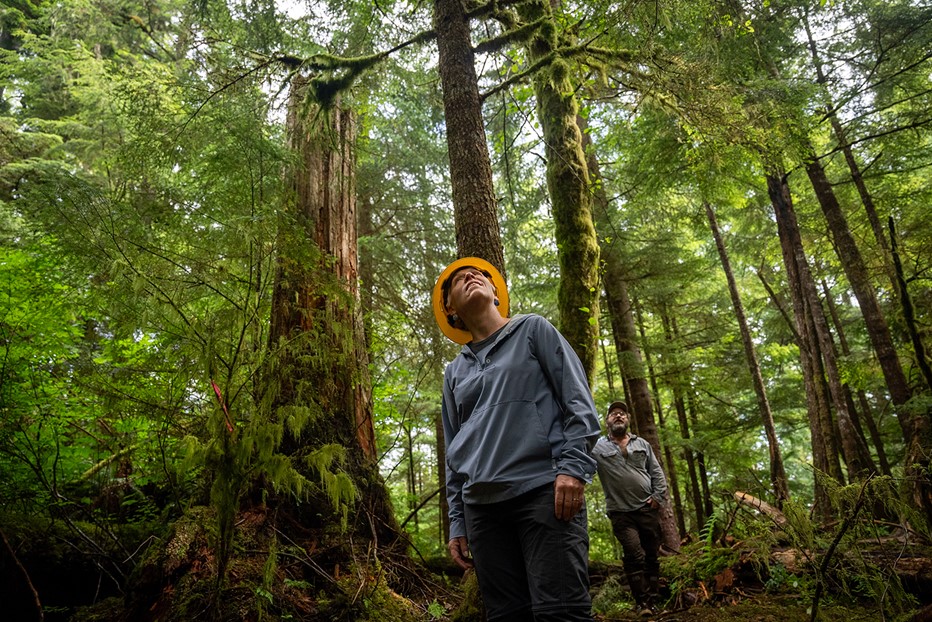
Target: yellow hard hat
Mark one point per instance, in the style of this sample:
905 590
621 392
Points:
444 321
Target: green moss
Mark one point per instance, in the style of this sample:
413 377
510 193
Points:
364 596
470 610
612 597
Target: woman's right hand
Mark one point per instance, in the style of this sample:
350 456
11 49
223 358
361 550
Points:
459 551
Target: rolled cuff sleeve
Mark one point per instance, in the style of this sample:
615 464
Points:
577 462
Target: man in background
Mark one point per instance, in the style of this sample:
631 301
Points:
635 488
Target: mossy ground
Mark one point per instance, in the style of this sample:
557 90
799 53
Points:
760 608
272 578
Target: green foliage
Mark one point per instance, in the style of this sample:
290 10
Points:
856 559
141 227
337 485
699 562
160 209
365 598
780 579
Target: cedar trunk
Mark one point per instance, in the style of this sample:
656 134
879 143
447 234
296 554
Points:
316 324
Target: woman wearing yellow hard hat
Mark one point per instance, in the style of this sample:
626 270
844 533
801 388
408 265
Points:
519 421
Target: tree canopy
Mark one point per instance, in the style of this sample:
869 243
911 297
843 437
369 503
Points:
177 347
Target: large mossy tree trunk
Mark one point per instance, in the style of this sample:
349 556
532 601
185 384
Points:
320 386
568 186
300 521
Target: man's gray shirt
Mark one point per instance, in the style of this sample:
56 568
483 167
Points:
629 482
515 415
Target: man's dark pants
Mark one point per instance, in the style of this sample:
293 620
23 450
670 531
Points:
530 566
640 536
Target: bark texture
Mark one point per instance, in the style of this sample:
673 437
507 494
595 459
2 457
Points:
568 185
316 322
474 205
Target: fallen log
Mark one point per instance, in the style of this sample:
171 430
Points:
761 506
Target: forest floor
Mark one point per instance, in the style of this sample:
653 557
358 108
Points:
761 608
738 591
882 580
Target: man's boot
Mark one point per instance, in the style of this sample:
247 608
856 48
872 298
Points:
653 590
638 584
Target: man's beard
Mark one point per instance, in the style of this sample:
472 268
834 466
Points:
618 430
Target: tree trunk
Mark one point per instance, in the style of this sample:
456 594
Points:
322 377
824 450
918 452
694 490
811 341
909 315
411 479
632 369
862 396
781 490
474 205
692 410
867 200
855 454
856 270
670 465
568 185
624 330
606 363
442 476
